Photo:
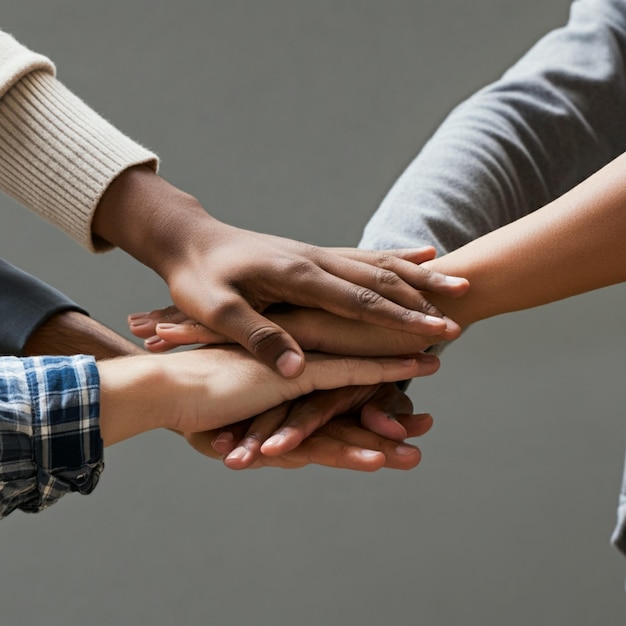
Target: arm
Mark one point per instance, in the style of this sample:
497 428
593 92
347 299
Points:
552 120
572 245
25 305
61 159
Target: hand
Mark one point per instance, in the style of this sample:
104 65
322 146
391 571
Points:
314 330
283 428
205 389
340 443
225 277
249 272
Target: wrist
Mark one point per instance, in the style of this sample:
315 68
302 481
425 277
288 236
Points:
150 219
135 397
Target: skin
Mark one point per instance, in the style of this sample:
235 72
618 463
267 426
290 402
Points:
226 277
343 445
572 245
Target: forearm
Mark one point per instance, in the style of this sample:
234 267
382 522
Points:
573 245
71 332
25 304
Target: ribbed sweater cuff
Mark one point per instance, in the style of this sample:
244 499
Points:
58 156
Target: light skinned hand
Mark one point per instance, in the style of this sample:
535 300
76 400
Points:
204 389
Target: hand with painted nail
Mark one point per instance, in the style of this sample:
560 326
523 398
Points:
340 443
284 428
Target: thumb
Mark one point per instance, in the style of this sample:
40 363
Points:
269 343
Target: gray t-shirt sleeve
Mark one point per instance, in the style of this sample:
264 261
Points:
554 118
26 303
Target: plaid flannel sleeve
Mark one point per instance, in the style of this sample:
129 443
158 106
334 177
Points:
49 430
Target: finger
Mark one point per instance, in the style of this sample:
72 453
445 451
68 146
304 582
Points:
143 325
322 449
363 295
339 451
416 425
156 344
398 455
187 333
261 427
324 372
379 414
228 437
234 318
321 331
406 264
202 443
310 412
415 255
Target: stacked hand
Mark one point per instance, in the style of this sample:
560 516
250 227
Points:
327 427
226 278
225 283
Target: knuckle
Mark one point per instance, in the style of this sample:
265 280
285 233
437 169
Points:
384 260
430 309
366 297
309 418
426 275
253 439
263 338
407 315
388 278
290 267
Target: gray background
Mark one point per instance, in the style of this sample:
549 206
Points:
294 118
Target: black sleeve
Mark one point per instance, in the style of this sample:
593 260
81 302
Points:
26 303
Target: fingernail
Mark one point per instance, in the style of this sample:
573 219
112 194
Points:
368 454
136 316
138 322
455 280
428 358
289 363
391 418
225 437
237 454
152 340
274 440
165 326
431 319
405 450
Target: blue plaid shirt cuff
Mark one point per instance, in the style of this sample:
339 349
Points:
49 430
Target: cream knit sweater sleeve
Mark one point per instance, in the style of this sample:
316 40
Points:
57 155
